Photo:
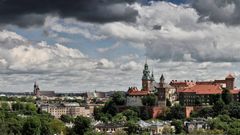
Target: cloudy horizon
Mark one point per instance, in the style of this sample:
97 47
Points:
88 45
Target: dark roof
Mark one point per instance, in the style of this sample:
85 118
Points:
110 125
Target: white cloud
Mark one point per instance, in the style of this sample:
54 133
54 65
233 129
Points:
71 26
111 48
132 65
105 64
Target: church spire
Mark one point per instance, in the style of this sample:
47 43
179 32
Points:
146 72
162 79
152 76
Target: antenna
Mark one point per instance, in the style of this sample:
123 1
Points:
146 60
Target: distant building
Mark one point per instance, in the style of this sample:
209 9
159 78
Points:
134 96
109 128
196 124
38 93
200 93
155 127
72 109
180 85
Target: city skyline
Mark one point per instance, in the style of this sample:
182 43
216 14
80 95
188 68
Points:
83 50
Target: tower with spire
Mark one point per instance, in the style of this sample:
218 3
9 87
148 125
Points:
161 83
36 90
146 78
162 92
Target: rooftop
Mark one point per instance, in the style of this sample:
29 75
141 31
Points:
204 89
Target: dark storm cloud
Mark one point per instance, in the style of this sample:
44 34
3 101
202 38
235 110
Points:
26 13
218 11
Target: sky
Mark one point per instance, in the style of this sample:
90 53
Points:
88 45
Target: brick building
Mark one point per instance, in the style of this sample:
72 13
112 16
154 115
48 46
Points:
201 93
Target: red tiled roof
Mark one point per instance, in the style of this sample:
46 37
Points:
138 93
135 92
204 89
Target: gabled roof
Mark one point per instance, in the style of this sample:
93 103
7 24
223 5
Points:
230 76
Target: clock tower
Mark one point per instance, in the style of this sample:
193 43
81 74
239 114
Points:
146 78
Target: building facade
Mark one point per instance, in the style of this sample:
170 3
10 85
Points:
72 109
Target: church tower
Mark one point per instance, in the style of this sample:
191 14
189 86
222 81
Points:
36 90
146 78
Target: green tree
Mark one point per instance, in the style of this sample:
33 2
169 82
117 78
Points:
145 114
226 96
5 106
110 107
119 98
66 118
45 127
234 110
18 106
218 107
81 125
215 132
30 107
57 126
131 115
118 118
214 98
206 112
31 126
14 126
105 117
97 111
178 126
132 127
176 112
149 100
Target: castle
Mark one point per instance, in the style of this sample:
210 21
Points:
163 90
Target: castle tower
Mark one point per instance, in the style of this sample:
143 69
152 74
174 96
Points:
162 79
146 78
162 92
152 83
229 82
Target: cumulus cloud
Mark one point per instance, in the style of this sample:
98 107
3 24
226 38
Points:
218 11
132 65
105 64
181 37
55 25
20 12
